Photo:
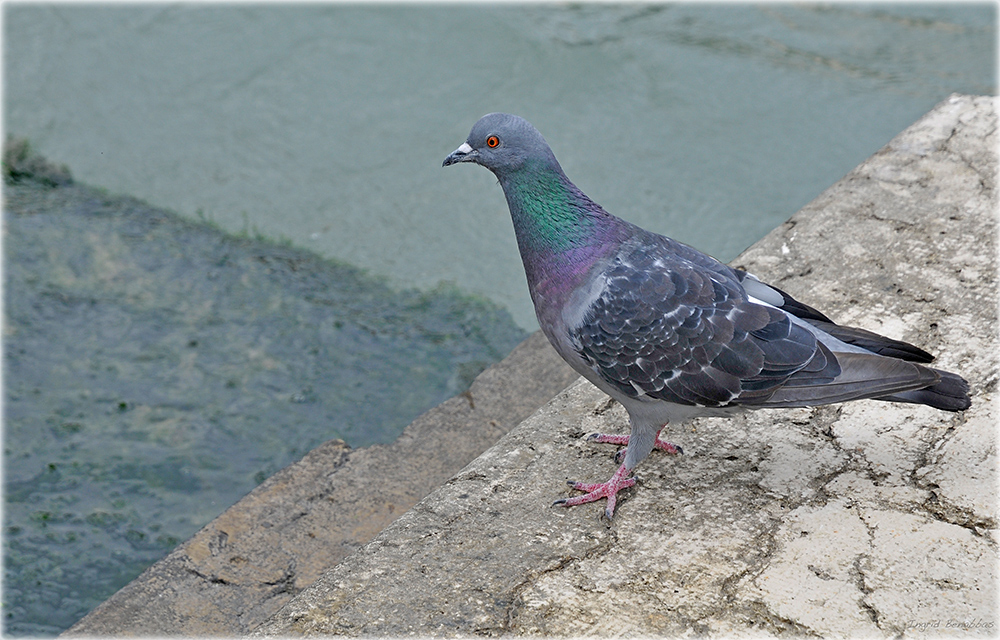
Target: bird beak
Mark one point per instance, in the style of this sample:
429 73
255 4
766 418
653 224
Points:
465 153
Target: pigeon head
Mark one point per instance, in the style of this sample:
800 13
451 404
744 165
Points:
503 143
550 214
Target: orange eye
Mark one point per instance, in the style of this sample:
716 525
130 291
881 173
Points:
492 142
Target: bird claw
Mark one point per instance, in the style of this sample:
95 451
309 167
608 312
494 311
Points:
614 438
600 490
608 438
619 481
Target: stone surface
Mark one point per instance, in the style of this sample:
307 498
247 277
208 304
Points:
245 564
867 519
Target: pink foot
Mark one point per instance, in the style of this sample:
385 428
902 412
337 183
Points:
607 490
609 438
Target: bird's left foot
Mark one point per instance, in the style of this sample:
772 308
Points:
607 490
612 438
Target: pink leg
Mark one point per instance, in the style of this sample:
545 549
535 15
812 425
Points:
609 438
607 490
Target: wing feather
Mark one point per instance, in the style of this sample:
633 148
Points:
671 329
674 324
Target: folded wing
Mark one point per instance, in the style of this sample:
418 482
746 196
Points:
668 327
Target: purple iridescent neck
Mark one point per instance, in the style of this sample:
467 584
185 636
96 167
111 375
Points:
561 233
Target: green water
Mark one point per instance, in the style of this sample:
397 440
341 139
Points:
327 123
155 370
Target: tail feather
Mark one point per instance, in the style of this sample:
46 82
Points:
950 394
862 376
874 342
891 370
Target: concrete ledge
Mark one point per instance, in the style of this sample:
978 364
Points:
864 519
241 567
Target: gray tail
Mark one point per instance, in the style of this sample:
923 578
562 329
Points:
878 377
898 376
950 394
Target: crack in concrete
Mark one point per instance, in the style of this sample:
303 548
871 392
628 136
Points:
286 583
757 612
516 592
937 507
943 511
767 543
760 617
985 178
859 575
213 579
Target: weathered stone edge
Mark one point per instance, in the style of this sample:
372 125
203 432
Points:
241 567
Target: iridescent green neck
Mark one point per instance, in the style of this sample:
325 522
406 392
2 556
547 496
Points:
551 215
561 233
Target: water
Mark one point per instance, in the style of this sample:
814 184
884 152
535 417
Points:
156 370
327 125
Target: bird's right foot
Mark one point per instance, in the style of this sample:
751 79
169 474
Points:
595 492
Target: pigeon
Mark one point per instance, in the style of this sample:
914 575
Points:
670 332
